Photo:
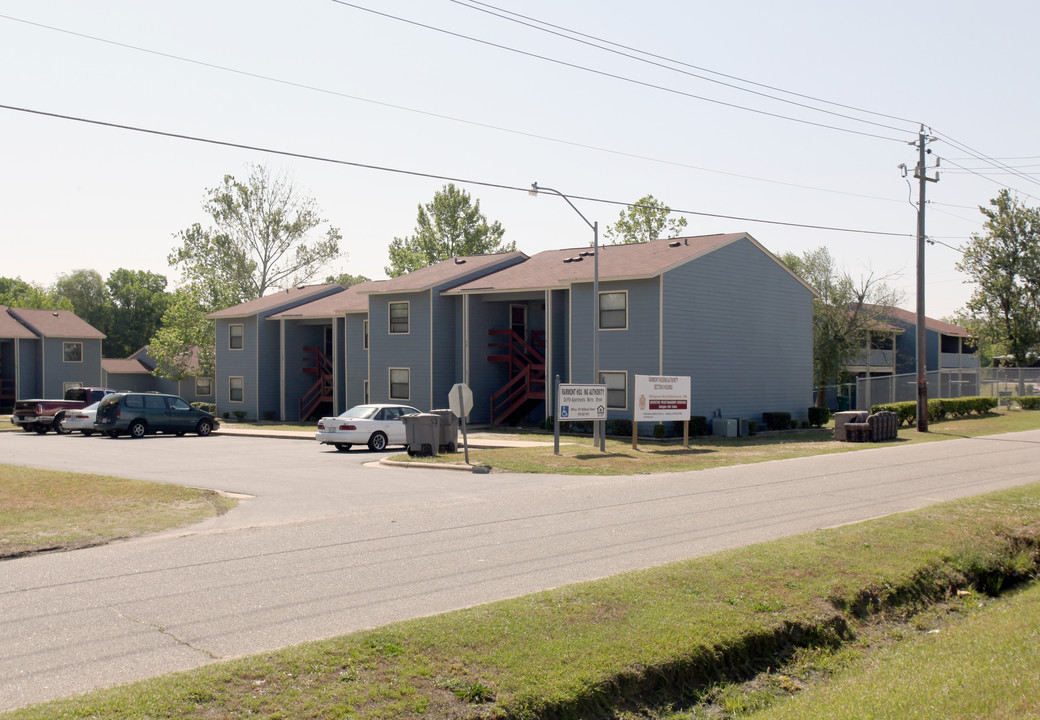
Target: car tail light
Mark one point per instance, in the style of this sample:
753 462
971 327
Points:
348 427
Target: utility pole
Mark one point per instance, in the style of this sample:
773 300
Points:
921 173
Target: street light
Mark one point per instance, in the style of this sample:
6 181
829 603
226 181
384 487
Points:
599 436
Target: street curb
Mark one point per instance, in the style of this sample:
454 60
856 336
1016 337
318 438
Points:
435 466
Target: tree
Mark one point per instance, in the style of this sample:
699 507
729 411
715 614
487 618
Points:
87 293
452 225
139 300
261 240
17 293
1004 265
644 221
845 311
346 279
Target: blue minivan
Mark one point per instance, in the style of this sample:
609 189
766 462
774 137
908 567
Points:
138 414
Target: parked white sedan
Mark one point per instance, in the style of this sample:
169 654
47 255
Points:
374 425
78 420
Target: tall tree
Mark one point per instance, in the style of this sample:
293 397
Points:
845 311
451 225
1004 265
262 239
346 279
17 293
88 294
644 221
139 300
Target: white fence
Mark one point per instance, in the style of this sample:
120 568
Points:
964 382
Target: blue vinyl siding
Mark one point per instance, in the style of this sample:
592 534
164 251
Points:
410 351
237 363
356 361
266 394
57 372
30 384
740 326
443 372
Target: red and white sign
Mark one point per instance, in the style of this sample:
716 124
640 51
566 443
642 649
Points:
662 397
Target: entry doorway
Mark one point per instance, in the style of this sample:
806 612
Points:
518 320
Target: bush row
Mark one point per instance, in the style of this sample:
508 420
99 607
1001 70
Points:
1028 402
939 409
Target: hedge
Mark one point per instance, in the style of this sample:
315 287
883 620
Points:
939 409
1028 402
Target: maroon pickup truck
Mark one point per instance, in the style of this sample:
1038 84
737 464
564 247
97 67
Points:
43 415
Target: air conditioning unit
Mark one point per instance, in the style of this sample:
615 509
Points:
724 427
742 427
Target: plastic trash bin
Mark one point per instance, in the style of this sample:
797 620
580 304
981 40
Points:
449 430
844 403
422 433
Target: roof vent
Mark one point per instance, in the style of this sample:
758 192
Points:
460 261
586 253
54 314
674 243
567 260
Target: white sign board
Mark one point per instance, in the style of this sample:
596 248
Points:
460 400
582 402
662 397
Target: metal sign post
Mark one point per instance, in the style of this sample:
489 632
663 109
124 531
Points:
460 400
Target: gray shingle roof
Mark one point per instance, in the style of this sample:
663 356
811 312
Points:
55 323
296 295
444 272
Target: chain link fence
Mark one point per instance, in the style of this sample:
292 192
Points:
1000 382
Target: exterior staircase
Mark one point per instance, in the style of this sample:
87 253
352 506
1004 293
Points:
526 363
318 364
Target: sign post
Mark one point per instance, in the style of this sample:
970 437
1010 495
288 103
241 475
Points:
460 402
660 398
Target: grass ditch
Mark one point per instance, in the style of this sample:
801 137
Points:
50 510
642 644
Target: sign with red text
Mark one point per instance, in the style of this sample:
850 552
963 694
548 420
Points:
662 397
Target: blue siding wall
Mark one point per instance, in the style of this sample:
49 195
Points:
636 349
297 382
444 371
741 327
30 384
57 372
236 363
410 350
356 361
269 370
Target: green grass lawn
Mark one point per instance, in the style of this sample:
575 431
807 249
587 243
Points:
680 640
53 510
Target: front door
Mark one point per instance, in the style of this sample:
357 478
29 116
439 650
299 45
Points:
518 320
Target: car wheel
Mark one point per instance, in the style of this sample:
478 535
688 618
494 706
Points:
343 447
59 425
40 428
204 428
137 429
377 442
88 433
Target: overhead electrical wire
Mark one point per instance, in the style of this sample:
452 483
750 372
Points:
433 176
439 116
658 61
472 3
615 76
978 155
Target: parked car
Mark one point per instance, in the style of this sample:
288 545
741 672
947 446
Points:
78 420
375 425
138 414
43 415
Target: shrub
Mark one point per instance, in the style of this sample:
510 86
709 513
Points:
226 415
699 425
752 427
240 414
659 431
206 407
620 427
777 420
1028 402
939 409
819 416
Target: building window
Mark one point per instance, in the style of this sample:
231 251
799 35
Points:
398 318
365 399
400 379
364 330
203 386
236 389
617 389
72 351
235 334
613 310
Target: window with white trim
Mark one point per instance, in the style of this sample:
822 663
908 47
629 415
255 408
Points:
72 351
613 310
364 330
399 318
365 400
236 389
400 382
617 389
236 333
203 386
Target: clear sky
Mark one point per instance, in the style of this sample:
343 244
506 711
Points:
322 78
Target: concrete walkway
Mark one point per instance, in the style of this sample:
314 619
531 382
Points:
475 440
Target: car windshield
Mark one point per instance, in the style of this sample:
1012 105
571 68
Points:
362 412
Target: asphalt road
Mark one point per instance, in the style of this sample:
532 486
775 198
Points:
325 545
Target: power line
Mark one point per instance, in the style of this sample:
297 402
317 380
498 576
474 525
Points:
439 116
416 173
978 155
516 18
614 76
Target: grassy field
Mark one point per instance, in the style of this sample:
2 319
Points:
826 618
43 510
579 456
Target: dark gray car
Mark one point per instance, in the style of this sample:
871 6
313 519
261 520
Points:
138 414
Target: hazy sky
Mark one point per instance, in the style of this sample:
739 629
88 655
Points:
326 79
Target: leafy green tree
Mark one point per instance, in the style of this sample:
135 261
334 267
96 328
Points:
17 293
451 225
1004 265
139 300
262 238
87 293
845 311
346 279
644 221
